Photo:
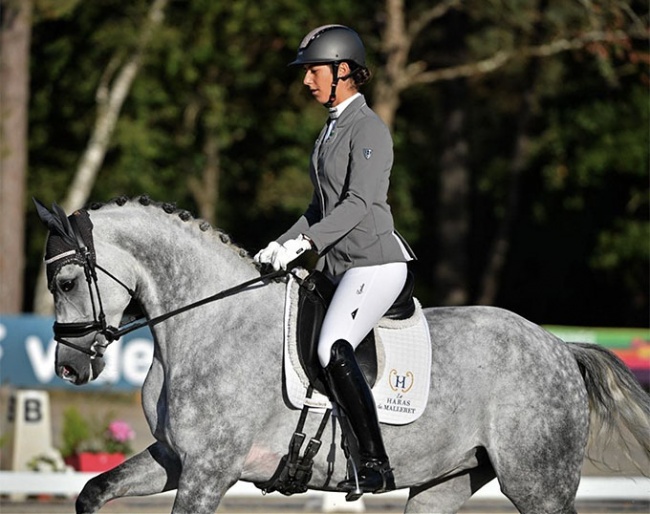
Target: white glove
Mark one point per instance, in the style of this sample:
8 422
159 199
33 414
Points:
267 255
290 251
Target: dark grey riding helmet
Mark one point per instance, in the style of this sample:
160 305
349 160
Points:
331 44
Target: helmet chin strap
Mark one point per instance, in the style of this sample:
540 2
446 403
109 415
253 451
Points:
335 81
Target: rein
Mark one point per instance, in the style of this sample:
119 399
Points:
74 243
113 333
86 258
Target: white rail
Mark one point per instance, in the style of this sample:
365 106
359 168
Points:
591 488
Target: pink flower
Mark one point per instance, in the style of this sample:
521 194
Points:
121 431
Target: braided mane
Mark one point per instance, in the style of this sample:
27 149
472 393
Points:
171 209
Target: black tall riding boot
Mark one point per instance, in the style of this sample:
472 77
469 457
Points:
351 391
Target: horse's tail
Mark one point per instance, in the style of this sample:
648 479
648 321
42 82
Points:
617 402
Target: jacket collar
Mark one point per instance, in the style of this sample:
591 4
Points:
350 110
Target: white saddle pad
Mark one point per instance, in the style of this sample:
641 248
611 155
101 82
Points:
403 364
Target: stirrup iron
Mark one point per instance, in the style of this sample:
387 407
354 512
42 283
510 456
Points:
356 493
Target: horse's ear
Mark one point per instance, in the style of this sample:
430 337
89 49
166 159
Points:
46 216
60 214
56 221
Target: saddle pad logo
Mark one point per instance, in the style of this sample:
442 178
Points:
367 152
402 383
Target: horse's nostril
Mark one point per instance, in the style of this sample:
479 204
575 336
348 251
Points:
67 373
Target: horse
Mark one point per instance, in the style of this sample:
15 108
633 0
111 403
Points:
508 400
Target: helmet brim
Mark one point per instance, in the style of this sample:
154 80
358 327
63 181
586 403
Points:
302 62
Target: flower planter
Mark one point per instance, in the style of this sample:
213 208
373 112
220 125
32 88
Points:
87 461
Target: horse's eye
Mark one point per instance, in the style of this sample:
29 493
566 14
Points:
67 285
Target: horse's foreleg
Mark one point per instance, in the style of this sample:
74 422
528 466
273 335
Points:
152 471
202 486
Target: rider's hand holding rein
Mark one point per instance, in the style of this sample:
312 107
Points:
279 256
267 255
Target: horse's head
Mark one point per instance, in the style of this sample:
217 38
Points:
87 306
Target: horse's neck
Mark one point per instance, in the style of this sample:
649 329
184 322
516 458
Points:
178 263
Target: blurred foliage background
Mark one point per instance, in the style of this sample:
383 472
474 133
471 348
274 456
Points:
520 130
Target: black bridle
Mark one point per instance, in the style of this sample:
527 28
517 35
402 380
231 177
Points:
98 324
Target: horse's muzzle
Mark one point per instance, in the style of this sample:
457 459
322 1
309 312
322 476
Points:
79 364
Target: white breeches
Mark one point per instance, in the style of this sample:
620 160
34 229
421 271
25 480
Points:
362 297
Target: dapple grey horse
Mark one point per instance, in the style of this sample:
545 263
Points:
507 399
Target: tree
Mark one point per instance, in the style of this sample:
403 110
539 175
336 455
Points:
587 27
14 98
110 96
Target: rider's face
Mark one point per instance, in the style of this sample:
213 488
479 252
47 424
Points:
318 78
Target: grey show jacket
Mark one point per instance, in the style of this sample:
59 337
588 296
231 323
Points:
349 220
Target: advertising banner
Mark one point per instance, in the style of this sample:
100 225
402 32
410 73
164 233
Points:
27 352
631 345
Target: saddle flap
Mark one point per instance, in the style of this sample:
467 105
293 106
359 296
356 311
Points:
314 297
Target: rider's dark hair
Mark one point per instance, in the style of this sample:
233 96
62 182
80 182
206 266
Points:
360 75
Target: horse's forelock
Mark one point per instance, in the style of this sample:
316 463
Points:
57 245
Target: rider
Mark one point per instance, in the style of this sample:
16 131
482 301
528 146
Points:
350 225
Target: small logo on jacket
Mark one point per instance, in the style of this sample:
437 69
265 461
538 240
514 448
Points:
367 152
